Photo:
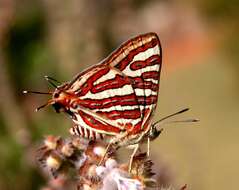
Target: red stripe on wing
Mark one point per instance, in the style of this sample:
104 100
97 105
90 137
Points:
128 59
96 124
153 60
127 100
147 101
140 83
117 82
151 75
88 85
125 114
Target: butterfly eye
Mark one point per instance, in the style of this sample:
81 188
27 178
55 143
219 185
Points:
154 133
58 107
56 95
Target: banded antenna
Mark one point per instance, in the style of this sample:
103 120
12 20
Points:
176 121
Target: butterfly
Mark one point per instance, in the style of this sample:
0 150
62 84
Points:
115 100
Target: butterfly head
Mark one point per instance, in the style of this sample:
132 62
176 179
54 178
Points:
61 99
58 100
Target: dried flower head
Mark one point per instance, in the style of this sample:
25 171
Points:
79 161
53 162
51 142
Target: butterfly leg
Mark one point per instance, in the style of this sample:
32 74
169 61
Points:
106 150
148 146
136 147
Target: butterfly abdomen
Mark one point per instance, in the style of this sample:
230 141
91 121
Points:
86 133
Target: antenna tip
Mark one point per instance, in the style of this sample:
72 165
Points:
46 77
196 120
24 91
36 110
183 110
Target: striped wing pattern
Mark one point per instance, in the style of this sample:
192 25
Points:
120 93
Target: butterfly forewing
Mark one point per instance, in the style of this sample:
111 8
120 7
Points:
122 90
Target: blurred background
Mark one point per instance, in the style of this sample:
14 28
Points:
200 70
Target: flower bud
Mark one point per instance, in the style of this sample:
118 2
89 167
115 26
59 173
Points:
51 142
99 151
111 163
100 171
91 171
86 187
53 162
67 150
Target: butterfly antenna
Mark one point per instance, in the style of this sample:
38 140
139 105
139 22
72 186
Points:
156 132
36 92
184 121
44 105
171 115
51 81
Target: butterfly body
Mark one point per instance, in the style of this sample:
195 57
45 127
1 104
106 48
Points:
115 100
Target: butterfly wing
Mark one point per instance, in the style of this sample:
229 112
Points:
122 90
108 96
140 59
